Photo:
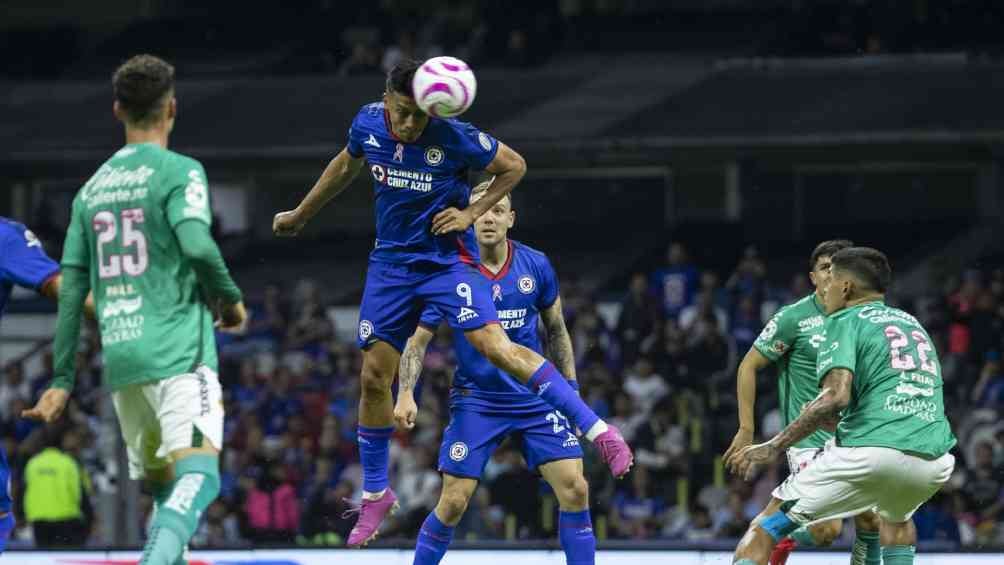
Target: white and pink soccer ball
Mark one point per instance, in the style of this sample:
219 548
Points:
444 87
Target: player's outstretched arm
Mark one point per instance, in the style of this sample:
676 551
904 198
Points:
559 343
746 394
73 291
409 371
337 176
834 397
508 168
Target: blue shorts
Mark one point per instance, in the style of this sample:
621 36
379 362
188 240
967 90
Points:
472 437
396 294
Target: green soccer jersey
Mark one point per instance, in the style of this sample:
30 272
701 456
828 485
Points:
154 323
791 340
896 398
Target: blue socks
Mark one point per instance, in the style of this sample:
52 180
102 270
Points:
433 540
548 384
374 454
575 530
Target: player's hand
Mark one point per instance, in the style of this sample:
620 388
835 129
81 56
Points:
742 439
405 411
753 456
452 220
287 224
233 318
50 407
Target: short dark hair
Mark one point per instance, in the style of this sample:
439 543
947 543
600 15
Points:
399 78
869 266
828 248
141 85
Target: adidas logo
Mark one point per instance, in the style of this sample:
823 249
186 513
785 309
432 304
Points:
542 388
466 315
372 141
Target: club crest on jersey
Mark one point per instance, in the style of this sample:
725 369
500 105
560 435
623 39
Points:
496 292
365 329
458 451
526 284
379 173
31 239
466 315
434 155
399 152
485 141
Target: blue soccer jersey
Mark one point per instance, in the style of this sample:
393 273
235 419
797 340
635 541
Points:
23 262
524 286
415 181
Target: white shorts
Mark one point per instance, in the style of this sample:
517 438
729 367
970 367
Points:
846 481
170 414
800 457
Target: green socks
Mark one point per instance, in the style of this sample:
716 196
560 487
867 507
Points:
804 537
898 554
744 562
197 485
866 550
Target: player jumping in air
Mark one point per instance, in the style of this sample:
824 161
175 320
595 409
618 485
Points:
881 386
792 339
487 404
139 237
426 256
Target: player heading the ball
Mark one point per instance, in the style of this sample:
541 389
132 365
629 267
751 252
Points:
425 255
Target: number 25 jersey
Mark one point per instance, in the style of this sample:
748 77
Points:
154 323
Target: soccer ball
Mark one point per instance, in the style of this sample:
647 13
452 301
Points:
444 87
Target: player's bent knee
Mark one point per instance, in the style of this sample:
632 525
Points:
868 521
452 505
573 492
777 525
825 533
374 384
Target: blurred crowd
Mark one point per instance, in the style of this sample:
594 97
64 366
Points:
659 363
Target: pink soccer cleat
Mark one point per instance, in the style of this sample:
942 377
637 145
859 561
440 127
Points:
371 515
615 451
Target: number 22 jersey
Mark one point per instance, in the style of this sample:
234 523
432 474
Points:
897 392
154 323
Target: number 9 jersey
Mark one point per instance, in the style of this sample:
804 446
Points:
154 322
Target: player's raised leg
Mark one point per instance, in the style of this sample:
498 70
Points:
575 526
544 380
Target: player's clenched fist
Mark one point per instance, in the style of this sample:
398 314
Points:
233 318
405 411
50 407
287 224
